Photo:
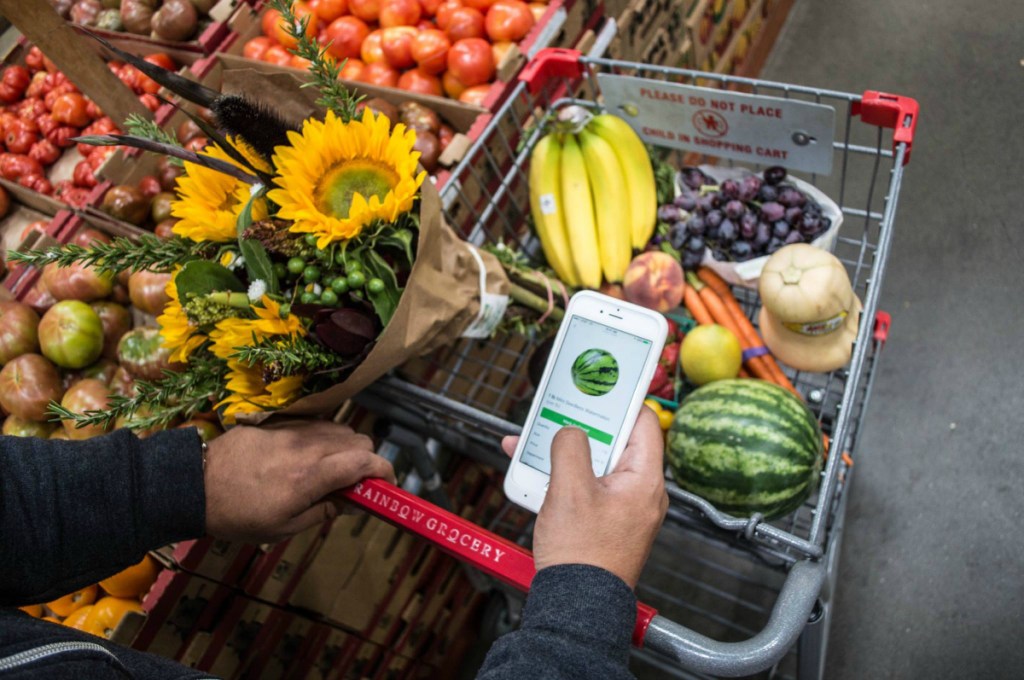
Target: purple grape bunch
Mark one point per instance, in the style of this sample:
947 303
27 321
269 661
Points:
739 219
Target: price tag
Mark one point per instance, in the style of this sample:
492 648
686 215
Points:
752 128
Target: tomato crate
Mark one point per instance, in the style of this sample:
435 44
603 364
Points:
853 148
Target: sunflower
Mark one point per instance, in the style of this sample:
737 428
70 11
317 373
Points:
335 178
180 335
210 202
249 393
232 333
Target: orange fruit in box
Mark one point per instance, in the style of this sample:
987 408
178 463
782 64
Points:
329 10
51 619
133 581
35 610
77 619
104 616
68 604
255 48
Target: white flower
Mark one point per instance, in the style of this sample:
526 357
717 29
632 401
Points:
237 263
257 289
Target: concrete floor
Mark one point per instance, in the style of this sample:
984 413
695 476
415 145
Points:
932 568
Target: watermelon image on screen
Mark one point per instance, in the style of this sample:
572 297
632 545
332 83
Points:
595 372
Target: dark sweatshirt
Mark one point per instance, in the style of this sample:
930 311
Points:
74 513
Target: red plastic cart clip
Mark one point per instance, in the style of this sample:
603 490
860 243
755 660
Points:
467 542
882 322
551 62
890 111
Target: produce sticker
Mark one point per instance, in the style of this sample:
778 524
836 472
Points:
754 128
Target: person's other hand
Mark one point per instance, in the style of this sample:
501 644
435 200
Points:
264 484
609 522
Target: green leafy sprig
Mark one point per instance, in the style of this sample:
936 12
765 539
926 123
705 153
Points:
291 356
176 395
136 125
322 67
122 254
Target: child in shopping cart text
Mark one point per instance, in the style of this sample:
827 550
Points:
73 513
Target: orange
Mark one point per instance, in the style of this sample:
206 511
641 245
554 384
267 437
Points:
104 616
53 619
66 605
133 581
35 610
78 618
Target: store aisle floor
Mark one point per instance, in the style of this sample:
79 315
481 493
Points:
931 580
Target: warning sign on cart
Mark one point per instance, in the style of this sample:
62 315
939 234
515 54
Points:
745 127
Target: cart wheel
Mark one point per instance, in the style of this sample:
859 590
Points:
500 616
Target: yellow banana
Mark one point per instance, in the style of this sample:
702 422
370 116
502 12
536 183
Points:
579 214
611 204
547 208
636 167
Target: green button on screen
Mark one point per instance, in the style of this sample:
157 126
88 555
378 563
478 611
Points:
566 421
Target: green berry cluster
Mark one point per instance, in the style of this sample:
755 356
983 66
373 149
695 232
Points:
307 269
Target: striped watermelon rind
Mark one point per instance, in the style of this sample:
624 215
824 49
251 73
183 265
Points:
746 446
595 372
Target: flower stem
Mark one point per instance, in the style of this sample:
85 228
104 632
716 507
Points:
236 300
534 302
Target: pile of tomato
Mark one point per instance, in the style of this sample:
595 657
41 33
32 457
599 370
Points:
41 111
436 47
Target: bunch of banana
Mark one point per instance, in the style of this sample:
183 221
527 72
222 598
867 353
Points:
593 200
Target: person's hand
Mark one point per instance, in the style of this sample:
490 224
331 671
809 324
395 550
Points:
609 522
268 483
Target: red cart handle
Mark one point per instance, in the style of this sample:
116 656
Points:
467 542
890 111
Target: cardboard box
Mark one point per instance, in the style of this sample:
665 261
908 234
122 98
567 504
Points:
27 207
275 573
223 562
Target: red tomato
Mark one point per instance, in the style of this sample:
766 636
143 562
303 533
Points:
33 109
300 63
38 86
453 87
101 126
396 43
444 12
163 60
15 166
149 186
471 61
44 152
268 23
150 101
84 176
46 125
400 13
145 85
37 183
475 95
21 135
482 5
128 75
538 9
255 48
417 80
371 51
430 50
499 50
508 20
93 110
445 135
49 65
34 58
300 10
429 7
196 144
379 73
367 10
352 70
17 78
329 10
465 22
62 134
69 109
76 197
6 119
346 35
276 54
426 25
98 156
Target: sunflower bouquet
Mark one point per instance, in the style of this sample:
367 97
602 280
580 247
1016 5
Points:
308 258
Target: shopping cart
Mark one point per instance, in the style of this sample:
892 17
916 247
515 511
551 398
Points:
465 396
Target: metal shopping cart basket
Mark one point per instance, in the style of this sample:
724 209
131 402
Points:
701 575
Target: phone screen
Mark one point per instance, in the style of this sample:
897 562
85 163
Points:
592 383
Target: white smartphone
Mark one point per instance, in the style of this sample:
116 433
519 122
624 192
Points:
601 363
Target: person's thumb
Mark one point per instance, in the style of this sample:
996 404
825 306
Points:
571 467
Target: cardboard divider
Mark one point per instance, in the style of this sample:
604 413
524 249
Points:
27 207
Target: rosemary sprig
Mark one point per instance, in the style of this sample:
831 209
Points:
148 129
147 252
322 67
292 356
176 395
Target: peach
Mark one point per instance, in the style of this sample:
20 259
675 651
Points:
613 290
654 280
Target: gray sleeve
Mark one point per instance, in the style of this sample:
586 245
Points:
577 623
74 513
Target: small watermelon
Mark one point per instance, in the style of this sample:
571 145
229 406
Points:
595 372
746 446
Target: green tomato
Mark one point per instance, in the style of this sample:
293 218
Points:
329 297
356 279
280 271
375 286
340 285
296 265
308 298
310 239
311 274
286 309
71 334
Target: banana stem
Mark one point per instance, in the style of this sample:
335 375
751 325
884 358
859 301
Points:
534 302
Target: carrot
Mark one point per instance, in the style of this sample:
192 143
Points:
748 334
846 456
691 298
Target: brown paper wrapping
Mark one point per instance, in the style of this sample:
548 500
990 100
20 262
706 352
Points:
441 297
